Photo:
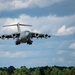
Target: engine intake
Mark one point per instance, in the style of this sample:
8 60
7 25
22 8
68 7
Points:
46 35
36 35
3 36
14 35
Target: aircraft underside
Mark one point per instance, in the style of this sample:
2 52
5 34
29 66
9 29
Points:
29 41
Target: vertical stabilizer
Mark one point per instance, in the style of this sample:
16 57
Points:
18 27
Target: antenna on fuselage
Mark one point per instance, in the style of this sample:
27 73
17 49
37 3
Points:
18 26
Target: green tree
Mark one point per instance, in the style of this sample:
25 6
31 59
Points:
21 71
47 71
66 72
0 72
36 72
4 73
73 71
55 71
10 70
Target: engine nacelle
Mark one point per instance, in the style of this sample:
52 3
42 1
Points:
46 35
36 35
13 36
3 36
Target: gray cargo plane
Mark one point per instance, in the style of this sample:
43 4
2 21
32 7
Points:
25 36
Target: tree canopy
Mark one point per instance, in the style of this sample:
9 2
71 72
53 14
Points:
55 70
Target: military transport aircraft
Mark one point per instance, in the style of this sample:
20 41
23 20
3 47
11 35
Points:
25 36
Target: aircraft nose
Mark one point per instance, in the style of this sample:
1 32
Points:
27 33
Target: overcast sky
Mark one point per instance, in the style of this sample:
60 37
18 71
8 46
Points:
47 16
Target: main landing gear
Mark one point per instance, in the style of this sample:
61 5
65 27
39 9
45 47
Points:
17 42
29 42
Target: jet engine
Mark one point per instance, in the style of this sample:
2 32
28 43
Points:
14 36
46 36
3 36
36 35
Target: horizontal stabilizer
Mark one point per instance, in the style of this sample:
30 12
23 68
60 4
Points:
10 25
24 25
17 25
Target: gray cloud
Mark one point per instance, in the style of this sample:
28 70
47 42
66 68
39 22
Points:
51 24
72 46
73 54
17 54
19 4
66 31
60 52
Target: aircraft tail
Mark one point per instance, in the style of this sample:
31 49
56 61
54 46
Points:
18 26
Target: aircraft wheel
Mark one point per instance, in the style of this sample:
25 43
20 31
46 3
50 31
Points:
17 42
29 42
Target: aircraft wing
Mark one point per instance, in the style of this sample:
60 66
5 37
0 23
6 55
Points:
37 35
14 35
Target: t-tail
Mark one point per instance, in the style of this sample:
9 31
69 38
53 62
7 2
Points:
18 26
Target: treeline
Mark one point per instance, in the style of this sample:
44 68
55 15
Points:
55 70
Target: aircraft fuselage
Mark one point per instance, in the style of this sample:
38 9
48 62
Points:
25 37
